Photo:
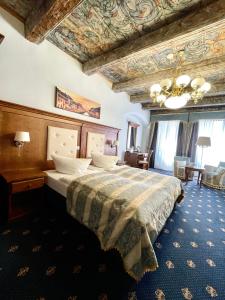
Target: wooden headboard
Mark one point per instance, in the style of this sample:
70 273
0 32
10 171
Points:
33 155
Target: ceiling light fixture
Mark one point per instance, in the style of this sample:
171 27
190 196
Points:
175 93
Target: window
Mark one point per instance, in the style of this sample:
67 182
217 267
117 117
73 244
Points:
166 145
215 129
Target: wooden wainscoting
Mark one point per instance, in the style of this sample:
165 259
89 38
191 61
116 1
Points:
33 155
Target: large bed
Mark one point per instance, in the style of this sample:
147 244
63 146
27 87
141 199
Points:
125 207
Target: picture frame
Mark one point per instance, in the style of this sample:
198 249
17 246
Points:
70 101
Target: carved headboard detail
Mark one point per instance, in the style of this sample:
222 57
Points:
95 143
62 141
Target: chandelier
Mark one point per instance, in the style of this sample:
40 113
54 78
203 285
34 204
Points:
175 93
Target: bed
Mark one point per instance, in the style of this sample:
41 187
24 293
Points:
125 207
125 214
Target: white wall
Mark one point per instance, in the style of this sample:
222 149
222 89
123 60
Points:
29 74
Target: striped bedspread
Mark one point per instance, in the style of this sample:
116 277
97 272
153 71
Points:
126 209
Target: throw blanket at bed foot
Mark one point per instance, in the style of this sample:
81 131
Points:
126 215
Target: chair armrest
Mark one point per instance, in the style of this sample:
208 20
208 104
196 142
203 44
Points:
210 169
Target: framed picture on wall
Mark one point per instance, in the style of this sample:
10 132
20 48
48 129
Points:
70 101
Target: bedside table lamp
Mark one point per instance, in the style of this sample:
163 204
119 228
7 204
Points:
21 137
204 142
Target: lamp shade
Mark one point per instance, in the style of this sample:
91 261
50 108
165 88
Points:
22 136
204 141
155 88
176 102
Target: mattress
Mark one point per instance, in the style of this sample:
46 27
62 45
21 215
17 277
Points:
53 181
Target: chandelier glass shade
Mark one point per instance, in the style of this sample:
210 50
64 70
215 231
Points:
175 93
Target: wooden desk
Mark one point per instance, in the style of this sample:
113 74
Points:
189 169
16 197
132 159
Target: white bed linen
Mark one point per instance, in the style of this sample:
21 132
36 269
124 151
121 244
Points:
94 168
68 179
59 182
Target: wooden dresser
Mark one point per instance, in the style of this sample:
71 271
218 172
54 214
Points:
132 158
21 192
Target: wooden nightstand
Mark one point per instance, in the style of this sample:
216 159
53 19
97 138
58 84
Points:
20 191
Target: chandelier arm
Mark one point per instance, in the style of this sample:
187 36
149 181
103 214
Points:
179 90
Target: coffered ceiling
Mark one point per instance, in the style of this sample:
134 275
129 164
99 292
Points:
128 42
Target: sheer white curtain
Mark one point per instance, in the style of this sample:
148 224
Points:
215 129
166 144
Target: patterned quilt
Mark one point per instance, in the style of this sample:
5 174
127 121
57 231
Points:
126 209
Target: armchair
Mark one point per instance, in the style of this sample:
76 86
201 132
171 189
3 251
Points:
179 167
214 176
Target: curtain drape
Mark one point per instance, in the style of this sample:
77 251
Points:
215 129
166 144
193 141
152 141
179 150
186 138
188 127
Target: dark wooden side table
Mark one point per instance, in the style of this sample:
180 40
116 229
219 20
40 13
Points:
189 169
19 190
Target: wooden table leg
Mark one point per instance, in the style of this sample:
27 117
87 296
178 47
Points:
201 179
186 175
199 173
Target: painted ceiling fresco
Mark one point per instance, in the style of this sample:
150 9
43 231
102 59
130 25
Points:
206 45
97 26
214 78
21 7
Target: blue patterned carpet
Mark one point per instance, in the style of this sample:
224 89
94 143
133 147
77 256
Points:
190 250
53 257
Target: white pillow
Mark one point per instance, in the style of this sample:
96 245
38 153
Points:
68 165
104 161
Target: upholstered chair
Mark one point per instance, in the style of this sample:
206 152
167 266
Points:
214 176
179 167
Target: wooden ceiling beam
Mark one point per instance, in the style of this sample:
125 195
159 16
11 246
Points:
12 12
187 110
206 102
218 89
204 68
180 30
45 16
140 98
